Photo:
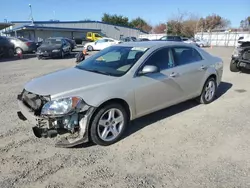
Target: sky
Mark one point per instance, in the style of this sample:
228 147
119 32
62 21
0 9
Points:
154 12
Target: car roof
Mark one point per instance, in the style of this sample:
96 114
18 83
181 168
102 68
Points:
56 38
151 44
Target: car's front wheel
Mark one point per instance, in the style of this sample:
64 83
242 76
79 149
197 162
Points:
62 54
233 66
108 124
208 92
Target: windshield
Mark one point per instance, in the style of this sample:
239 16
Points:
113 61
52 41
97 35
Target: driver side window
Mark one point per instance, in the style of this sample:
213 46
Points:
110 57
162 58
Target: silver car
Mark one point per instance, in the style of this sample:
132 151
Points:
96 99
23 45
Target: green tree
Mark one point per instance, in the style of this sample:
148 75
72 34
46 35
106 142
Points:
141 24
115 19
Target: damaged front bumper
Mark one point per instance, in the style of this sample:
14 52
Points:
77 124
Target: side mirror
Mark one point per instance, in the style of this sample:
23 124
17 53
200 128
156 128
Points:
149 69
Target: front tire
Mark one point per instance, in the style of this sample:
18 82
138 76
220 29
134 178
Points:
233 66
108 124
10 53
62 54
208 91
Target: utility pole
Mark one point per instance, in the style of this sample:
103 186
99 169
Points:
31 15
5 20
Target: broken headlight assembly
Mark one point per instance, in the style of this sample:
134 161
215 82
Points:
61 107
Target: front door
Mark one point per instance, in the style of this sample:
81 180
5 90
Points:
158 90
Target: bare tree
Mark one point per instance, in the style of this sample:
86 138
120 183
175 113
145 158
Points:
160 28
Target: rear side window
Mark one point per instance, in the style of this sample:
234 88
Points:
186 55
162 58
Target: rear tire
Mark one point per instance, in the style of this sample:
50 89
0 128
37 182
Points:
90 48
112 125
233 66
208 91
19 50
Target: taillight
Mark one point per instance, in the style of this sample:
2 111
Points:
28 43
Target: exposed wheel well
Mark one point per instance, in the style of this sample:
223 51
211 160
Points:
213 76
119 101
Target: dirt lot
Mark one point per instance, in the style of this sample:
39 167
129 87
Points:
185 146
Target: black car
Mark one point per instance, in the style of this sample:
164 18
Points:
6 47
171 38
72 43
53 47
241 57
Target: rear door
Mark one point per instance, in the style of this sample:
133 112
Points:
190 68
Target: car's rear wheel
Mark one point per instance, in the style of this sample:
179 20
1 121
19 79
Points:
90 48
233 66
19 50
208 92
108 124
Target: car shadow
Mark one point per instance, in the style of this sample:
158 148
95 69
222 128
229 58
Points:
147 120
143 122
16 58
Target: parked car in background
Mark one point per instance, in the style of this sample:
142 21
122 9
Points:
190 41
72 43
171 38
89 37
144 39
101 44
23 45
96 99
128 39
240 57
6 47
202 42
53 47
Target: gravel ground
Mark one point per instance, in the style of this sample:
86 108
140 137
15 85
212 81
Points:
187 145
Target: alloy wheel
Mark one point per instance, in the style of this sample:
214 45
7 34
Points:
110 124
209 90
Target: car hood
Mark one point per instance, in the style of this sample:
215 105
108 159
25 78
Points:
66 81
49 47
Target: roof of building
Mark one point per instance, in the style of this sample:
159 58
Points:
34 27
81 21
5 25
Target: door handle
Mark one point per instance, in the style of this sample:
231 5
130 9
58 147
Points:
173 74
203 67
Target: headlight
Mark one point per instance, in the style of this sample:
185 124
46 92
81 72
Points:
56 50
62 106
